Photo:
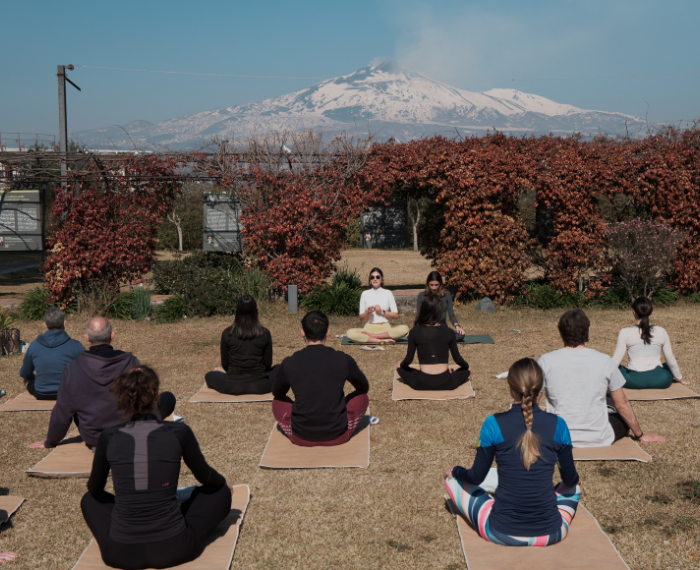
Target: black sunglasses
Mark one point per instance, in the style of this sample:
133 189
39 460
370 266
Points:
375 276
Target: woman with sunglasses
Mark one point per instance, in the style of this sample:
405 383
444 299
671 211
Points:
377 306
435 286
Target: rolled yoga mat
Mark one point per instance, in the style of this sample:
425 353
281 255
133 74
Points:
675 391
401 391
624 449
218 552
206 394
70 458
25 402
586 547
468 339
281 453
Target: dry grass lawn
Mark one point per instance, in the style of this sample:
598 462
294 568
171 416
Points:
401 268
392 514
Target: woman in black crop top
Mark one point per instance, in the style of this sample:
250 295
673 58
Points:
144 525
246 354
434 342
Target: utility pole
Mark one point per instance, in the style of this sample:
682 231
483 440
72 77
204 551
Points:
62 119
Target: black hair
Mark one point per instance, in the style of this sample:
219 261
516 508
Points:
643 308
315 325
573 327
246 325
434 276
430 311
378 271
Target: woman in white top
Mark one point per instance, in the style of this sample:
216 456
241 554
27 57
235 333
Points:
377 306
644 343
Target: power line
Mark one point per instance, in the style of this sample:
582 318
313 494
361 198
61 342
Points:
591 77
207 74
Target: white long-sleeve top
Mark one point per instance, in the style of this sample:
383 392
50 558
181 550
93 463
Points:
645 357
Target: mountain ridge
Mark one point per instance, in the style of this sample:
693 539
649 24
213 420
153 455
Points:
387 99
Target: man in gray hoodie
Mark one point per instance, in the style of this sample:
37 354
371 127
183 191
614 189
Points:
86 389
48 356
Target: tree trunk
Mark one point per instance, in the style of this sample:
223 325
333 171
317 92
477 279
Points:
179 238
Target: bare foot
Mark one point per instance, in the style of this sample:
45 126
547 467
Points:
684 382
378 340
7 556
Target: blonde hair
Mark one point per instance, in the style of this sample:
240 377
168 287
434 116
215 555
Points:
525 379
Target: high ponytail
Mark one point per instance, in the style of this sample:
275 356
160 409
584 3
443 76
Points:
525 379
643 308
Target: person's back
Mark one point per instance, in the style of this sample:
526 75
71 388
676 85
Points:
321 414
317 374
85 388
145 486
526 443
577 381
247 358
48 356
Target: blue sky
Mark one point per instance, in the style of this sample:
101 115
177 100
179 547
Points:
455 42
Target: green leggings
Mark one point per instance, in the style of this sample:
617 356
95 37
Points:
658 379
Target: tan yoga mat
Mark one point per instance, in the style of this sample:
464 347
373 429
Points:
70 458
675 391
403 391
586 547
624 449
8 506
280 453
218 552
25 402
206 394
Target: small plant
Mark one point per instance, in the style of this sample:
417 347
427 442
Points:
685 523
660 498
398 546
606 471
693 297
651 522
121 307
339 300
348 276
35 303
140 304
429 538
7 320
690 490
171 311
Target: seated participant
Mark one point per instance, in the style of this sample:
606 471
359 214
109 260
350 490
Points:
433 342
85 393
644 343
320 414
143 525
527 443
377 306
246 354
48 355
577 380
435 286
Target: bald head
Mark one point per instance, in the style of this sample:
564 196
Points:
99 331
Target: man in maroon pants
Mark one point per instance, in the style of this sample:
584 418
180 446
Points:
321 413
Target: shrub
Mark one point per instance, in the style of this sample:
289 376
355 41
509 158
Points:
210 283
172 310
694 297
615 297
35 303
140 304
338 299
642 253
121 307
545 296
6 320
353 233
348 276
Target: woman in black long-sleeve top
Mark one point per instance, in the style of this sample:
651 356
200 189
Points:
143 525
433 342
246 354
435 286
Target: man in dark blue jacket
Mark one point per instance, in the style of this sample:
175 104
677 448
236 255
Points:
48 356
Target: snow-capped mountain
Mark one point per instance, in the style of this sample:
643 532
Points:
387 99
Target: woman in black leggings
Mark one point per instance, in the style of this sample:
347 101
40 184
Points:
434 342
143 525
246 354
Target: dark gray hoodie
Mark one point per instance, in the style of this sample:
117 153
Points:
85 391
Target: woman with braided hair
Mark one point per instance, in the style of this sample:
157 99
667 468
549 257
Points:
527 509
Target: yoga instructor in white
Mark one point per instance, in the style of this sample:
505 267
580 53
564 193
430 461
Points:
377 306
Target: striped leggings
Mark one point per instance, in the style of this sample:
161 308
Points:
476 504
